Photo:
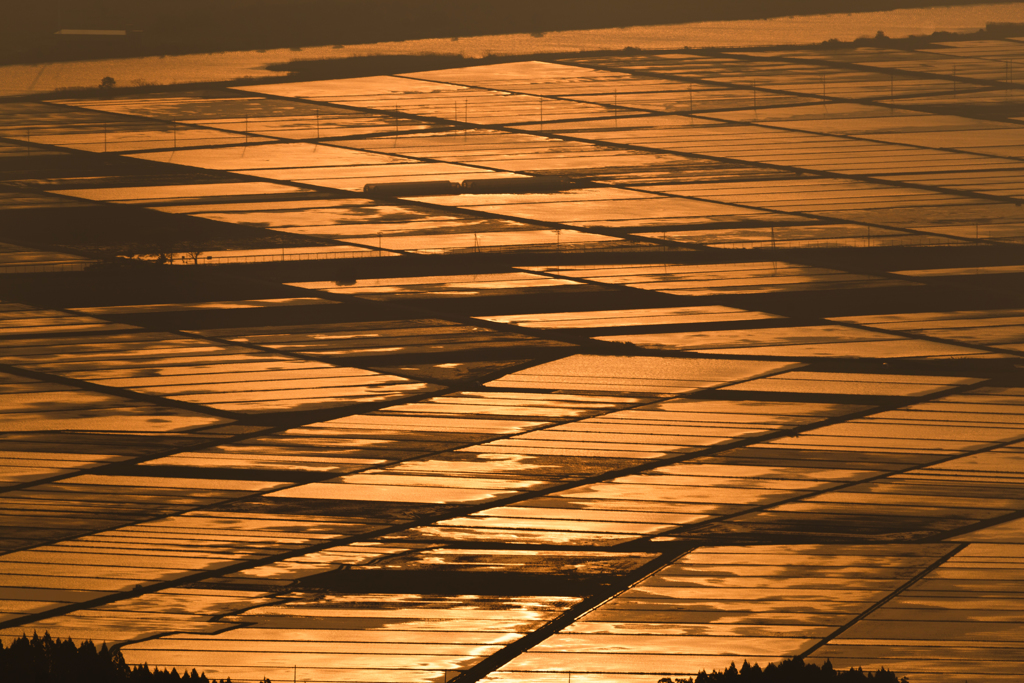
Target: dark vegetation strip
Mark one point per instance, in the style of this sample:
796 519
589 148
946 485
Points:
790 671
44 660
190 26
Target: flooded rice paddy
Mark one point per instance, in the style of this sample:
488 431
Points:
649 422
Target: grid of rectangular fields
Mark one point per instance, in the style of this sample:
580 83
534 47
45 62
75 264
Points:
635 375
449 422
98 131
21 466
618 510
790 78
116 312
14 258
995 329
12 201
377 228
599 207
718 605
942 428
584 320
173 610
853 384
19 319
798 341
352 555
960 272
321 165
814 195
254 116
158 196
716 84
408 95
401 432
482 284
29 405
213 374
453 419
729 278
622 93
779 147
920 505
993 183
52 455
367 440
510 451
933 59
903 126
344 218
133 555
996 53
539 154
358 637
549 239
511 151
81 505
961 619
767 235
964 221
381 338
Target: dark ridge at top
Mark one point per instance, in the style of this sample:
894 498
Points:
27 33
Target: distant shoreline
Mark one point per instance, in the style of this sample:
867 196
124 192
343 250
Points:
28 34
271 70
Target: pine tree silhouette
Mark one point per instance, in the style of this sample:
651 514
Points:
45 660
793 670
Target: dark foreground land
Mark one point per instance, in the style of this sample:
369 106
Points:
196 26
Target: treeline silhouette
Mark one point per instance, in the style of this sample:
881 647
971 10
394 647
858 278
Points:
790 671
45 660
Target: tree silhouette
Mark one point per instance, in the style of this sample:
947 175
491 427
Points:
790 671
45 660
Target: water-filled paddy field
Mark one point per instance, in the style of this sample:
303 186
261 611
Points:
742 379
